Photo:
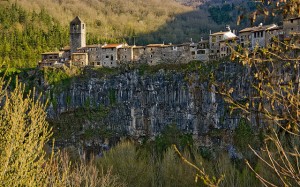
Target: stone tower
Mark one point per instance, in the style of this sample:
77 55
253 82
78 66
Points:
77 34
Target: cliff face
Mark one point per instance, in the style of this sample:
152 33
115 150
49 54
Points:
142 105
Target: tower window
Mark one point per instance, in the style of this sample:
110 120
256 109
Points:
82 26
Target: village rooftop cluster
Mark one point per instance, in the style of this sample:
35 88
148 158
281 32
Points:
218 46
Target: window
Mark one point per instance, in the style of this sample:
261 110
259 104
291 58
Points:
107 56
82 26
201 52
151 56
193 52
125 56
112 57
98 63
292 21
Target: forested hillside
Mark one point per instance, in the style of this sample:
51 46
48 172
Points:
111 18
24 35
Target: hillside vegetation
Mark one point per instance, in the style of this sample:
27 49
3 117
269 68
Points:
111 18
24 35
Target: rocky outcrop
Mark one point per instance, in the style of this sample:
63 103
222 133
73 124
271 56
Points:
142 105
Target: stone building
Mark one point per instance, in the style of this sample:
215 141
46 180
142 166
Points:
227 45
138 53
125 54
245 36
203 51
77 34
291 26
109 54
214 42
291 29
66 53
51 59
185 52
79 59
155 54
261 34
94 52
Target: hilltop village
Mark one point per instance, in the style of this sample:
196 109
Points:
218 46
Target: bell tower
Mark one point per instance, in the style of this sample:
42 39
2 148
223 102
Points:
77 34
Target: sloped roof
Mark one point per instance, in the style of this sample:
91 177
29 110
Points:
76 20
249 29
226 34
66 48
52 53
260 28
219 33
158 45
291 18
93 46
111 46
203 41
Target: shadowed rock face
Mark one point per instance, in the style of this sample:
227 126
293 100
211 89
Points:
143 105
